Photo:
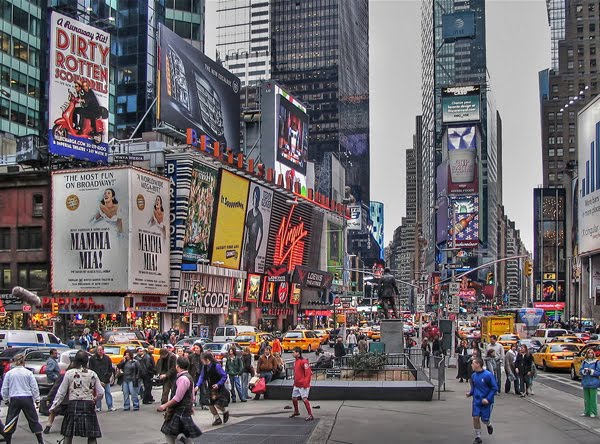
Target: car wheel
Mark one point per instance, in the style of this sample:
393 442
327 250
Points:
544 366
309 348
573 373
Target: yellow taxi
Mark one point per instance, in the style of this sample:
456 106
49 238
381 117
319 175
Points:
253 340
367 331
555 355
307 340
570 339
506 341
116 351
376 335
323 335
579 357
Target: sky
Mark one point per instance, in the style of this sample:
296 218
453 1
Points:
518 47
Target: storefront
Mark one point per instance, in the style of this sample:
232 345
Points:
555 311
145 311
11 312
312 288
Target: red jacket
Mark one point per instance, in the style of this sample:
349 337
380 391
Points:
302 373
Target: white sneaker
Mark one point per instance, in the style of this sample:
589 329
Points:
112 409
592 416
583 414
98 410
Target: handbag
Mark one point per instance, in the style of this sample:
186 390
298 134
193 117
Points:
204 394
228 383
260 387
253 380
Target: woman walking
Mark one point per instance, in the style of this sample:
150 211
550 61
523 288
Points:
463 357
215 377
590 380
131 380
247 370
83 387
426 352
523 369
234 367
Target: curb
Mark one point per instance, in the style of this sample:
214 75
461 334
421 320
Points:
563 416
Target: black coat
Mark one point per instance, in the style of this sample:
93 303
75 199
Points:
102 367
339 350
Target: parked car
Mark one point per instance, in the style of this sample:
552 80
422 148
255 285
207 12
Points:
6 357
307 340
220 349
28 338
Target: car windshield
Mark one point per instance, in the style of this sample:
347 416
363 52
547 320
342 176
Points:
293 335
244 339
564 347
38 356
112 350
509 338
213 347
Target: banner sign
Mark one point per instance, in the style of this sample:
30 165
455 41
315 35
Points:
204 294
229 223
277 273
307 277
268 293
84 305
256 232
109 231
78 89
355 221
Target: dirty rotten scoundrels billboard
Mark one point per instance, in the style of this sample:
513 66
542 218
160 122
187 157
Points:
256 233
78 89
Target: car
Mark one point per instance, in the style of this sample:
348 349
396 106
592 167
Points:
546 334
533 345
116 351
474 335
35 361
28 338
253 340
407 329
579 358
584 335
136 342
367 331
307 340
220 349
7 355
507 340
227 333
323 335
188 342
569 339
376 336
555 355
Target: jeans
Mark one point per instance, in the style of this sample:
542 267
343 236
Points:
107 396
498 374
130 390
236 385
245 378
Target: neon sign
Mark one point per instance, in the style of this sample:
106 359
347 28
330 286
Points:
289 243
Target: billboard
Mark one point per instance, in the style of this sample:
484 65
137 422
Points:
335 248
229 222
253 288
466 221
376 216
588 148
203 190
256 228
355 222
78 90
110 231
462 143
458 25
28 149
461 104
196 92
285 122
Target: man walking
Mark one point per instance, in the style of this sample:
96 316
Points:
101 364
165 368
483 390
499 355
509 368
302 374
21 391
52 368
146 373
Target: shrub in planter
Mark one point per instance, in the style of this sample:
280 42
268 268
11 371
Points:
367 361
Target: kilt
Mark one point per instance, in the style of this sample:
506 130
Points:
181 424
81 420
220 397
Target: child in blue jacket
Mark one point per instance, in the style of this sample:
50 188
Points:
590 380
483 390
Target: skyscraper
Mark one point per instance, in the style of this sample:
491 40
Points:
453 37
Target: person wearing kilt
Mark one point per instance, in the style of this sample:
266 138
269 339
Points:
179 409
215 377
84 388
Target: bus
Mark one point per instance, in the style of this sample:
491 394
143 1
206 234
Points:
526 319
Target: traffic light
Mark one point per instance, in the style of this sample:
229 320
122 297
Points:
490 278
528 268
54 308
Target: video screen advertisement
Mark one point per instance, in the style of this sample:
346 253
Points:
461 104
465 224
197 93
110 231
285 122
588 148
230 220
462 143
78 90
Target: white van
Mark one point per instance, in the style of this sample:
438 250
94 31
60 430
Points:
546 334
227 333
28 338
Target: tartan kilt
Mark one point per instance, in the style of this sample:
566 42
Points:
81 420
181 424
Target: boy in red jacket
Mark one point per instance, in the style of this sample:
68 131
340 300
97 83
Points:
302 374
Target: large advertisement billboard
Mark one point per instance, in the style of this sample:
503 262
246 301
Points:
355 221
110 231
229 223
588 148
201 203
196 92
464 223
78 90
256 232
462 143
461 104
458 25
376 216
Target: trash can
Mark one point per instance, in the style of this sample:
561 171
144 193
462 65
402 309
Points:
376 347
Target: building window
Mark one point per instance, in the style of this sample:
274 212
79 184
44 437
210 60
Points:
29 238
5 276
570 65
551 140
559 152
551 152
5 238
38 205
33 276
559 140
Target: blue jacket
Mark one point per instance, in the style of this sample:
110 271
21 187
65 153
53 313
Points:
52 370
483 386
593 379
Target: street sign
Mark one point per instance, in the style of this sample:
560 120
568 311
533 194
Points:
454 288
420 302
421 308
455 303
452 266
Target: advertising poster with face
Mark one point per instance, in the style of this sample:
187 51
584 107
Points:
90 230
203 188
149 253
268 291
253 288
256 229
